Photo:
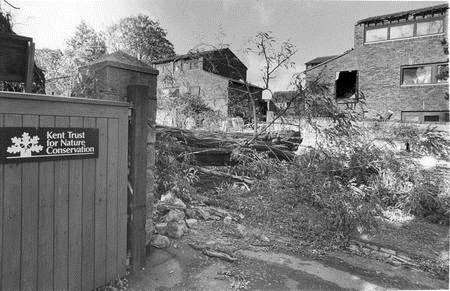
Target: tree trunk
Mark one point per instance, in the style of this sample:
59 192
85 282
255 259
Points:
255 121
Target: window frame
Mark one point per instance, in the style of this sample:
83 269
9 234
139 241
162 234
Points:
375 28
414 25
425 117
429 20
400 23
434 68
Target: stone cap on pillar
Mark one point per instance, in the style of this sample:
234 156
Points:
114 72
122 60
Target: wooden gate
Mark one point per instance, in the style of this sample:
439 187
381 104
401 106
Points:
63 222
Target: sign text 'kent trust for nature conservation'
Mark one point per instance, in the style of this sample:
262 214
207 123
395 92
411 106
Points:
25 144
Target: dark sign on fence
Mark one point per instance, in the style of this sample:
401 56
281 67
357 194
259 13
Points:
25 144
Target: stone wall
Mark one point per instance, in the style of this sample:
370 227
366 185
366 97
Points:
212 88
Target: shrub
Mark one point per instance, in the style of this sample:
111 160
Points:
429 198
328 187
171 173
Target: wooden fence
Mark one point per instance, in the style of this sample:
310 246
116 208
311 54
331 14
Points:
64 222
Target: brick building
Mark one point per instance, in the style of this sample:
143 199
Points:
399 64
217 76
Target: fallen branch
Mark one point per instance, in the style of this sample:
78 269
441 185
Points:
220 255
246 180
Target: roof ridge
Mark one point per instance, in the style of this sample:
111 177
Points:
403 13
189 55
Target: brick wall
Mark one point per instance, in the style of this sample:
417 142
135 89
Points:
213 88
379 66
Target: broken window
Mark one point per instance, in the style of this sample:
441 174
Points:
442 73
430 27
402 31
425 74
377 34
346 84
417 75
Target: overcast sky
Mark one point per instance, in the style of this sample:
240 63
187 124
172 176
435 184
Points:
317 28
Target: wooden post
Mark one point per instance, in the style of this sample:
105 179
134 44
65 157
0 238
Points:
30 67
138 96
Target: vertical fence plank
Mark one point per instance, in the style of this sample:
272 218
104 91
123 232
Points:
111 212
75 207
88 246
2 167
122 199
100 203
61 217
30 214
46 211
12 217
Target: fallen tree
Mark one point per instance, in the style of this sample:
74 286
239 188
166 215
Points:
215 149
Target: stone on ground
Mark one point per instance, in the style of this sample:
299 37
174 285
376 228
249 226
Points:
176 229
161 228
171 201
191 222
160 241
174 215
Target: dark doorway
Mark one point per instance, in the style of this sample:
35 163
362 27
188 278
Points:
347 84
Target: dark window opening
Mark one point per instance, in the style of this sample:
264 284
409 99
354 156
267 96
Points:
431 118
347 84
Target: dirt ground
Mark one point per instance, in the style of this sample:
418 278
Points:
266 262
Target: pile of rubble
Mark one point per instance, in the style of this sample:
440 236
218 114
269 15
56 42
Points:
173 218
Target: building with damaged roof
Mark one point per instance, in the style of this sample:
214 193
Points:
399 65
217 76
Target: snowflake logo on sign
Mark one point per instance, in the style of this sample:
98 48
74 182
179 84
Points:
24 145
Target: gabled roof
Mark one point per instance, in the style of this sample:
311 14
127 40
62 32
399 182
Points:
319 60
405 14
196 55
329 60
242 83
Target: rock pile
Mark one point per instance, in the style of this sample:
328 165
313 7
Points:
173 219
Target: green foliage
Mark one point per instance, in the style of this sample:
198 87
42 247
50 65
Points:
50 61
85 46
141 37
334 191
192 106
56 69
171 172
422 139
61 67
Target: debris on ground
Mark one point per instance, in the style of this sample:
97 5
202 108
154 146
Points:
220 255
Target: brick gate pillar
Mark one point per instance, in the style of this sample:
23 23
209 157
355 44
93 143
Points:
121 77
